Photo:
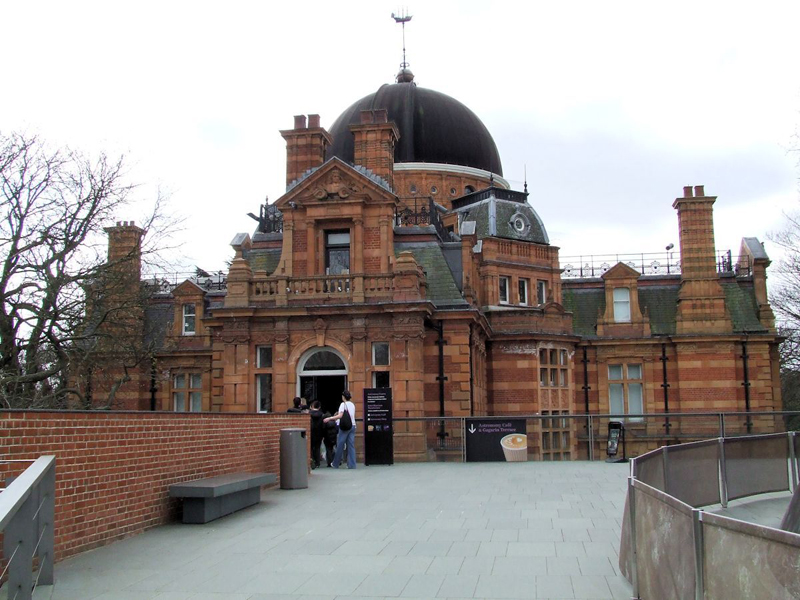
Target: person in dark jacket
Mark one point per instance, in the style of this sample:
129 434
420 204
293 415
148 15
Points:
317 432
297 408
331 434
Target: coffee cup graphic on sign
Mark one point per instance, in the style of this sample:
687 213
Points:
515 447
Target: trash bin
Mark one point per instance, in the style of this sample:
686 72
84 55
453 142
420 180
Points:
294 459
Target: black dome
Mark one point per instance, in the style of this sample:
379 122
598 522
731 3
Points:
433 128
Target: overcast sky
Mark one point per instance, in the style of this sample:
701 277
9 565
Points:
613 106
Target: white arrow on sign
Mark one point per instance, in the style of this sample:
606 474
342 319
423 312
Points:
472 429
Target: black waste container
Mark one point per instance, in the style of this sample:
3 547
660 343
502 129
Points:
294 459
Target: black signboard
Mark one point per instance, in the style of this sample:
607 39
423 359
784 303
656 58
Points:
378 442
493 439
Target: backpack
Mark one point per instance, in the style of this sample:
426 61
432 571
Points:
346 422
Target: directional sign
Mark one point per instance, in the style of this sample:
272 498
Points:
496 439
378 436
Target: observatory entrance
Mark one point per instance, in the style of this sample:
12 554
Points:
322 375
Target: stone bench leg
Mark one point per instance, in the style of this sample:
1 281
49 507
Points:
203 510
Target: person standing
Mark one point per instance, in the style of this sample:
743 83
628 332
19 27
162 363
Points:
317 432
331 435
347 437
297 407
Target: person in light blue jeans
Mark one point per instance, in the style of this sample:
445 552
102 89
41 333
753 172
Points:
345 438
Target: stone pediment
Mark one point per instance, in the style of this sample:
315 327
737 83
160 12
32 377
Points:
188 288
334 181
621 271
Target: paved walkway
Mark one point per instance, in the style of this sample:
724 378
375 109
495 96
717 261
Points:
533 530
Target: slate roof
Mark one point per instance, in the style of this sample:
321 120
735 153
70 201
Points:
157 322
661 304
505 213
741 302
442 288
264 260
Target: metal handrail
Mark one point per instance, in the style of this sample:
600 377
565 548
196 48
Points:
699 516
27 521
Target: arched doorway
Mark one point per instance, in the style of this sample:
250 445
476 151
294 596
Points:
322 375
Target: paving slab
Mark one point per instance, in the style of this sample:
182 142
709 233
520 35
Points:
490 530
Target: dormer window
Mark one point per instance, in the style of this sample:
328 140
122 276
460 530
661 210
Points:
188 319
622 305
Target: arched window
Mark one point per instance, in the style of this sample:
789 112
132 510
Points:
622 305
324 360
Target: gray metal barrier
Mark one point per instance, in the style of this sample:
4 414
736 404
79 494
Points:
27 515
670 548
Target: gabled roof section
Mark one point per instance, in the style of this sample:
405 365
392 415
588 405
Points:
351 180
188 288
621 271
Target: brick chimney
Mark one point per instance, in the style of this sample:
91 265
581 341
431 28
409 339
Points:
305 146
125 248
374 142
701 300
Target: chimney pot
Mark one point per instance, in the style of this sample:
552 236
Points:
687 191
313 121
299 121
381 116
367 116
699 191
119 223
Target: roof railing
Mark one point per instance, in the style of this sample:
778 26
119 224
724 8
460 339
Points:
654 263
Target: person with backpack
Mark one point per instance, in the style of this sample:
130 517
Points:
346 419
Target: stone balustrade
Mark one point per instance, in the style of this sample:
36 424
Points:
344 287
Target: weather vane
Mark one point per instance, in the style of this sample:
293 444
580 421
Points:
403 17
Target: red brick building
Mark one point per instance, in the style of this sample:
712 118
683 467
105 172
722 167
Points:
398 256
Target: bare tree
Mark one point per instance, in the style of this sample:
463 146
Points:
62 301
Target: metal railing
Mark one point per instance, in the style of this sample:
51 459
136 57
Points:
559 436
670 548
656 263
421 211
27 516
164 283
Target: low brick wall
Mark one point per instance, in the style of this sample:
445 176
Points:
113 469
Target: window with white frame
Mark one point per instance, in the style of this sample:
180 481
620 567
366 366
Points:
625 390
188 327
541 291
187 392
622 305
504 287
523 291
337 252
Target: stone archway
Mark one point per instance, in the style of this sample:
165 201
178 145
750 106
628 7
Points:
322 374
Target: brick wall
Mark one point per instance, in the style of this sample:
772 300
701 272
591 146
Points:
113 469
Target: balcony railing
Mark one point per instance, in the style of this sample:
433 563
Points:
657 263
348 287
421 211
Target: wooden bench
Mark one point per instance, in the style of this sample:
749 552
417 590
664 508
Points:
207 499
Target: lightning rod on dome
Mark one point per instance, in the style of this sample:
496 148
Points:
405 74
525 176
